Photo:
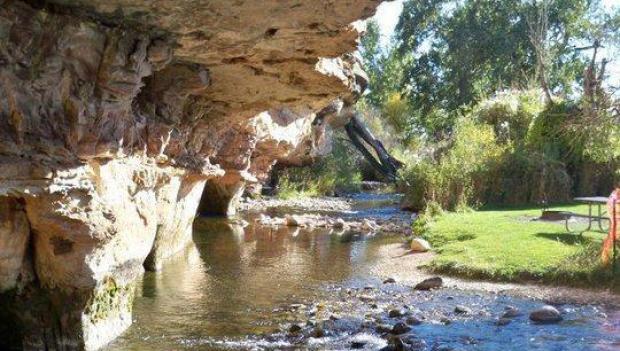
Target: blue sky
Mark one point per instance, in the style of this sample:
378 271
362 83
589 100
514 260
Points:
388 13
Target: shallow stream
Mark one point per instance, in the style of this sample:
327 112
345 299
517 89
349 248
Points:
243 288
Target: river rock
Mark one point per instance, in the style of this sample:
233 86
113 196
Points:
389 280
460 309
295 328
317 332
400 328
445 320
395 313
420 245
511 312
429 284
546 314
412 320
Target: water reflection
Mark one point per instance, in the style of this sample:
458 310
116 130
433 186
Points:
231 278
233 282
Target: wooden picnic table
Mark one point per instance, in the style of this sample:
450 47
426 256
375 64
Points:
600 202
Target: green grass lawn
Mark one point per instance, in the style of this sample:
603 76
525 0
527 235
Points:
505 244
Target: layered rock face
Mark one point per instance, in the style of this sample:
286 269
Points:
118 118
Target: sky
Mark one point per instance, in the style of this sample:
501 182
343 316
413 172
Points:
388 13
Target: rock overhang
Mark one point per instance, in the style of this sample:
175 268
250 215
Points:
115 115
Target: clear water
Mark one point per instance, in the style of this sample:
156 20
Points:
241 288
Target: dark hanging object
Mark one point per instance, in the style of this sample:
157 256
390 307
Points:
383 162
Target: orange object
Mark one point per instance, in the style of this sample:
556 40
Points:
613 208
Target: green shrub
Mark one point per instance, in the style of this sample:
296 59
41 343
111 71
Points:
511 149
452 179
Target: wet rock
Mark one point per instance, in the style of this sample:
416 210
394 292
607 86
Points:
445 320
511 312
412 320
395 313
420 245
389 281
317 332
546 314
460 309
400 328
295 328
429 284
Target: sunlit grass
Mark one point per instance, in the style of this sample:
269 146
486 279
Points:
509 244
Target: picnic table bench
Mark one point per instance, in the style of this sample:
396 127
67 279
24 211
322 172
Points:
601 215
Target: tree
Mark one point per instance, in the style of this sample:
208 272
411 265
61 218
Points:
458 52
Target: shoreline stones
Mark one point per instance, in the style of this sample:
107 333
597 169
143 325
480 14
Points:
429 284
395 225
546 314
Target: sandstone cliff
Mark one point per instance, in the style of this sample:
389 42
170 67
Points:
118 116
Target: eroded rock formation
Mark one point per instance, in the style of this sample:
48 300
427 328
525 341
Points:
115 114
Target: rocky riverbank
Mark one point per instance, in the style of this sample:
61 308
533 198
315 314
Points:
291 285
338 214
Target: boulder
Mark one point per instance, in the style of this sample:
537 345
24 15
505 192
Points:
546 314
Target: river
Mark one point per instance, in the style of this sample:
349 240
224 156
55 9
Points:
250 288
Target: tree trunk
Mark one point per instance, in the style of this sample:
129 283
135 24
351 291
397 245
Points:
383 162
